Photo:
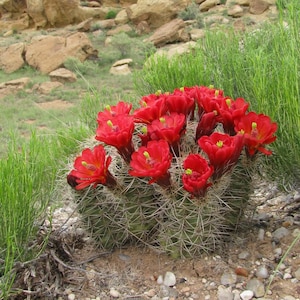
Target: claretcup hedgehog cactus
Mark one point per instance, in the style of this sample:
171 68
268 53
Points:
174 174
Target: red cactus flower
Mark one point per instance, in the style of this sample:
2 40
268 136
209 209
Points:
196 175
230 110
207 124
122 108
91 168
168 128
152 161
222 150
151 108
117 132
258 130
181 104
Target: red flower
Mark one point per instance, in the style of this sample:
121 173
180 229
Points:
207 124
231 110
181 104
122 108
197 172
151 108
168 128
258 130
117 132
91 168
152 161
222 150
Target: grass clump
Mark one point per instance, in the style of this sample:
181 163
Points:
263 66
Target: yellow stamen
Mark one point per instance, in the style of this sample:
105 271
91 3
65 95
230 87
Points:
254 125
219 144
162 120
110 123
188 171
146 154
182 89
211 86
242 131
215 112
107 107
217 92
144 130
144 103
228 102
158 92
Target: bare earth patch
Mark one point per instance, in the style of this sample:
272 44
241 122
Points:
56 104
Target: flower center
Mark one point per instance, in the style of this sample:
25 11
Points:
188 171
219 144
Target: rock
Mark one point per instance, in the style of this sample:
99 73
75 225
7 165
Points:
120 70
228 278
114 293
48 86
105 24
142 28
262 272
62 75
13 86
85 25
244 255
197 34
168 33
256 286
121 17
235 11
169 279
119 29
224 293
155 12
280 233
206 5
297 274
47 53
11 57
246 295
257 7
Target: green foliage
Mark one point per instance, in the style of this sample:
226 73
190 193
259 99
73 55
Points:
262 66
190 12
111 14
75 65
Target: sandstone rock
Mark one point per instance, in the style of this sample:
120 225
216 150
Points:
142 28
93 4
47 87
197 34
47 53
235 11
168 33
257 7
155 12
105 24
13 86
119 29
206 5
85 25
121 67
35 10
62 75
11 57
121 17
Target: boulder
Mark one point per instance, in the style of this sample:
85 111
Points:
121 67
169 33
13 86
257 7
47 53
47 87
62 75
208 4
155 12
11 57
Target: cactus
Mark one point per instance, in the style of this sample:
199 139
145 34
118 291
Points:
200 175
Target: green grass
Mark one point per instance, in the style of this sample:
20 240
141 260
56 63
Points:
262 66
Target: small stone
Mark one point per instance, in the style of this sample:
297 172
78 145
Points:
224 293
244 255
289 298
228 278
287 276
114 293
169 279
151 293
256 286
261 234
247 295
262 272
297 274
160 279
280 233
71 296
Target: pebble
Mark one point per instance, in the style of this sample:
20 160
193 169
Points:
261 234
169 279
262 272
247 295
114 293
297 274
244 255
71 296
228 278
256 286
280 233
224 293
